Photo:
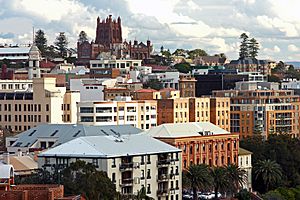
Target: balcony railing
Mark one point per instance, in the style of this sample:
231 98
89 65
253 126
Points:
126 166
165 162
162 192
163 177
126 182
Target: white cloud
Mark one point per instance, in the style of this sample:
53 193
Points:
275 49
293 48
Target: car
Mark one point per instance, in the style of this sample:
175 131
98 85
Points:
205 195
187 196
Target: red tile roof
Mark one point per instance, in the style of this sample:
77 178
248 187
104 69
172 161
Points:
47 64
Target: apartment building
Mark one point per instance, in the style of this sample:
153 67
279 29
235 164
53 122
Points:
200 142
151 164
263 112
180 110
105 66
46 136
220 112
187 86
22 110
140 114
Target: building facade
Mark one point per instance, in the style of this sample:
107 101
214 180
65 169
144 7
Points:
245 163
140 114
220 112
187 86
45 104
152 164
263 112
200 142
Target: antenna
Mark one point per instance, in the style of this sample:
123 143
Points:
33 36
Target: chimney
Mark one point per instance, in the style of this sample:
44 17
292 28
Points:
4 71
6 158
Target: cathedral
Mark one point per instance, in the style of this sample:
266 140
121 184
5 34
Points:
109 40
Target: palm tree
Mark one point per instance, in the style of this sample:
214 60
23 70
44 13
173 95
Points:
236 176
198 178
269 171
220 179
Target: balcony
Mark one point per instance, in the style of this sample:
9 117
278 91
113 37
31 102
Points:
126 182
163 177
126 167
162 192
163 163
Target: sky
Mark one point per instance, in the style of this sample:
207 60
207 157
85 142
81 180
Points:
212 25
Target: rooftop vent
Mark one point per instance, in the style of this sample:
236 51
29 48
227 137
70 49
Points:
32 133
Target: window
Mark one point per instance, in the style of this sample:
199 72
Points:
47 107
177 170
148 189
177 185
113 163
148 174
95 162
142 174
86 109
148 159
87 119
113 177
142 160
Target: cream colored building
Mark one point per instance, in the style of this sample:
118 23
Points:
15 85
151 164
246 164
46 103
138 113
220 112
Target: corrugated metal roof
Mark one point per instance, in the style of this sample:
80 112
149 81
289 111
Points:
185 130
65 132
109 146
15 50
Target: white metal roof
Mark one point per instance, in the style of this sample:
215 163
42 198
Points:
185 130
16 50
110 146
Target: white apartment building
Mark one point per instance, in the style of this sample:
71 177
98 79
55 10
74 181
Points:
151 164
168 79
91 89
46 103
139 113
246 164
123 65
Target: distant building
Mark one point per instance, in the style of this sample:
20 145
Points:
14 54
200 142
263 111
210 60
250 65
132 162
187 87
140 114
45 103
109 40
220 112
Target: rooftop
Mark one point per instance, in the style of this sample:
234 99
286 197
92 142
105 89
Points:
62 133
244 152
12 50
110 146
185 130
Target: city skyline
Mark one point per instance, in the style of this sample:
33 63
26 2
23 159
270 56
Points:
213 26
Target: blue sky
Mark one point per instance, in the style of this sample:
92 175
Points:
212 25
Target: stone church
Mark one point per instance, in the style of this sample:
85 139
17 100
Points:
109 40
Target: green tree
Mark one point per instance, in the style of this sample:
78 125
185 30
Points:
198 178
62 43
253 48
196 53
221 180
82 37
41 41
269 171
83 178
179 52
244 53
243 195
183 67
153 84
236 176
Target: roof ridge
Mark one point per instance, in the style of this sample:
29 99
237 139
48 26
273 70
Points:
90 144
